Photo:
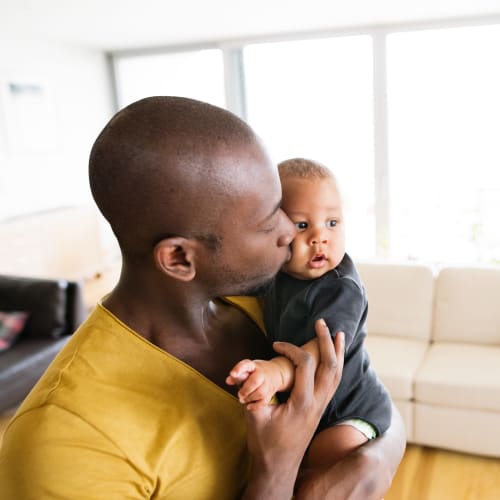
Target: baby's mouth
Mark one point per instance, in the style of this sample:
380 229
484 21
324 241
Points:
318 261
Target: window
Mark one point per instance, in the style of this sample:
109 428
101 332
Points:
196 74
314 99
444 148
436 194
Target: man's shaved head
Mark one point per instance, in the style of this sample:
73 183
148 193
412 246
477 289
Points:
162 166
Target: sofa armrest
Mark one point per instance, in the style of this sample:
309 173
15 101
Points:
55 307
76 312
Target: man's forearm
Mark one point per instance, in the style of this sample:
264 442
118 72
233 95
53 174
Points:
270 484
364 474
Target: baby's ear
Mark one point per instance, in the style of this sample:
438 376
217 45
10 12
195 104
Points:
175 256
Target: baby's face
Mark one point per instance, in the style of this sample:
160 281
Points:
314 206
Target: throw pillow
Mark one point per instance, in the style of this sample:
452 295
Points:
11 326
43 299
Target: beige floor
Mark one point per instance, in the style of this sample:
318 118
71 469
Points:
430 474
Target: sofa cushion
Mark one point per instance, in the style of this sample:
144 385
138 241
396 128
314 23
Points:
461 429
460 375
11 325
400 299
43 299
396 362
406 409
466 307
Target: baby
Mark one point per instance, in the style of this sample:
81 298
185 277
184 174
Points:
319 281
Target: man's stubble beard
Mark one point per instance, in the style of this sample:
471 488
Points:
259 290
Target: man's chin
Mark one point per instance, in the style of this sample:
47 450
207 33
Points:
258 290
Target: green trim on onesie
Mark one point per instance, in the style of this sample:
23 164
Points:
362 426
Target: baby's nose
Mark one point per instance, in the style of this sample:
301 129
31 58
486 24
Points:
319 238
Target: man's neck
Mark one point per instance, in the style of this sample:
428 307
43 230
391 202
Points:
209 335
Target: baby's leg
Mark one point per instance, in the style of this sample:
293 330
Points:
334 443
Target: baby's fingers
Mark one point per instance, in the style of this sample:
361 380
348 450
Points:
240 372
249 391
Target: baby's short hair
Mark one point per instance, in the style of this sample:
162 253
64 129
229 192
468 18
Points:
303 168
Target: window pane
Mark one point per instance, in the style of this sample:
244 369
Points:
314 99
444 148
199 75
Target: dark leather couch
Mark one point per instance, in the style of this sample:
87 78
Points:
55 309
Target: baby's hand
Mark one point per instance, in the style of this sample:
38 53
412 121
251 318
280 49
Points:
240 372
259 380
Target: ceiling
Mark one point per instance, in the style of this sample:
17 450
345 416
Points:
125 24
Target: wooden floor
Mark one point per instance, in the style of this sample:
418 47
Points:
431 474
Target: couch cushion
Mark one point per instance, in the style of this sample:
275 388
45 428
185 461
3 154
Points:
460 376
44 300
11 325
400 299
464 430
396 362
406 409
467 305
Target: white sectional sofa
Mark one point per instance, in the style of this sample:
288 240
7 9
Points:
434 340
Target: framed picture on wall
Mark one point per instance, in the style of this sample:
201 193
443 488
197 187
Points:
29 116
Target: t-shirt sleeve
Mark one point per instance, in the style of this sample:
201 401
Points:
51 468
342 304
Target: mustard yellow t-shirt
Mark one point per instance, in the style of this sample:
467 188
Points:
115 417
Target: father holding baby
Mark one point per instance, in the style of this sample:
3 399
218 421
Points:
136 404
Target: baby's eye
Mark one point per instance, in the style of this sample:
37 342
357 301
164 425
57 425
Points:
331 223
301 226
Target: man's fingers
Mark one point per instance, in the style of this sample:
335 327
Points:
252 397
339 344
303 388
331 360
259 415
257 405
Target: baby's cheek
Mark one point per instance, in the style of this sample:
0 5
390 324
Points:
298 245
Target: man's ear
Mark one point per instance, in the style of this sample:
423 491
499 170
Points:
175 256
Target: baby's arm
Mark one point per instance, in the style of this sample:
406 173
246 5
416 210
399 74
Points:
261 380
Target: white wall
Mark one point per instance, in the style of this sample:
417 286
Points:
76 106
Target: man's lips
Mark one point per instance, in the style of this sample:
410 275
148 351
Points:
318 261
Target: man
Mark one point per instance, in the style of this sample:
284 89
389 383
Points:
135 406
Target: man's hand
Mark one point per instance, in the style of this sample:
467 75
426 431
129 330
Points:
278 435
